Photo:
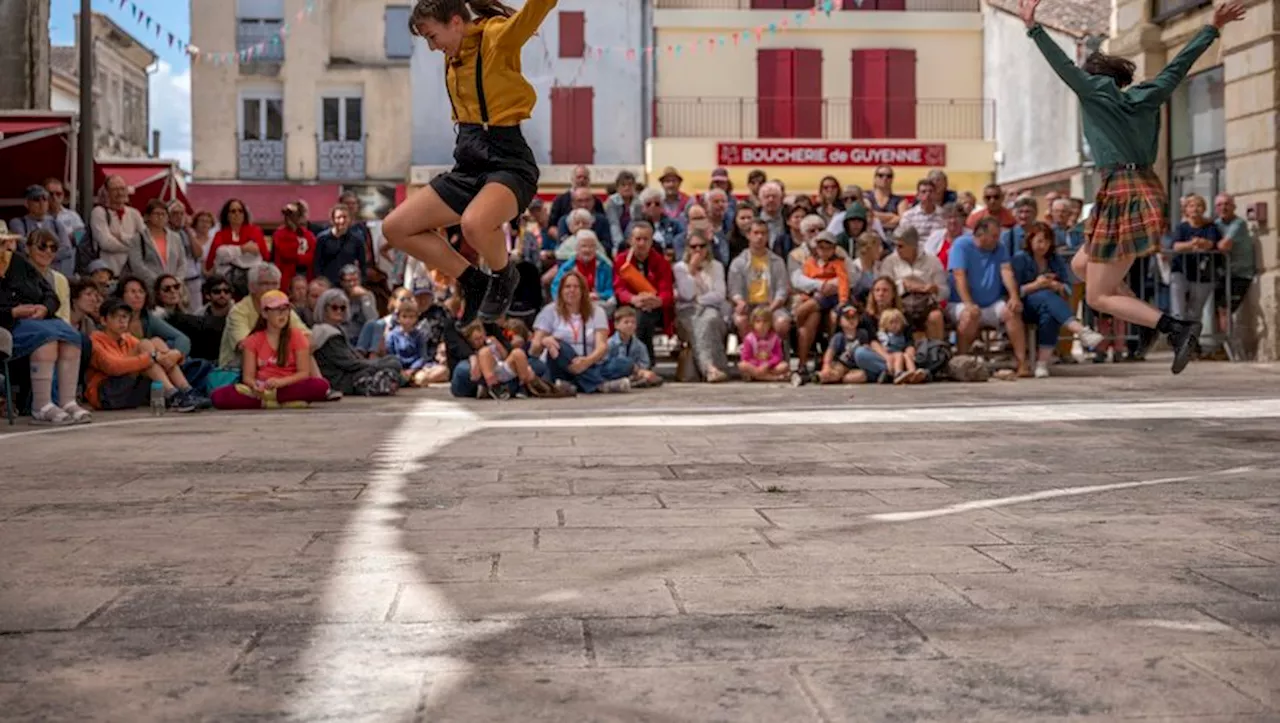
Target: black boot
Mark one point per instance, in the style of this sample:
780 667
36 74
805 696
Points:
1184 338
474 283
502 290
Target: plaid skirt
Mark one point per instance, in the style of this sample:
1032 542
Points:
1128 219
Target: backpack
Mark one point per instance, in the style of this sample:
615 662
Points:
377 383
87 250
934 357
966 368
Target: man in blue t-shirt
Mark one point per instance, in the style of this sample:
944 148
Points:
984 291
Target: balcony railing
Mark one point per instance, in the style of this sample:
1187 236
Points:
261 160
927 6
837 118
257 34
341 160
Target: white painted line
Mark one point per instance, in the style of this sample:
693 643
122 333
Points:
1028 413
1210 627
337 659
1044 495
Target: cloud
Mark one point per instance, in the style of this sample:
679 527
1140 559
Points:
171 112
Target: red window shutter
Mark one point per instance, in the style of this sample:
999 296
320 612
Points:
900 80
776 77
768 4
864 5
870 95
573 34
584 127
799 4
891 4
807 103
561 125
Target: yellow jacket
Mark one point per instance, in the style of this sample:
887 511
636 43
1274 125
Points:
508 95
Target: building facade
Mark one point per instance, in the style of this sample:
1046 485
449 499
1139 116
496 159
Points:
322 99
1222 125
1039 146
592 95
24 56
771 84
122 68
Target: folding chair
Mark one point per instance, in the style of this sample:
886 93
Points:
6 349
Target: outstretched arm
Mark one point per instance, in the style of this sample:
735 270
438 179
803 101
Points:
1158 90
1071 74
518 28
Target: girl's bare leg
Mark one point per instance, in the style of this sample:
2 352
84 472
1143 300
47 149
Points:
413 228
482 223
856 376
488 366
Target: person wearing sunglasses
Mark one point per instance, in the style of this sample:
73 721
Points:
345 368
204 327
235 228
158 250
39 216
993 205
885 205
42 248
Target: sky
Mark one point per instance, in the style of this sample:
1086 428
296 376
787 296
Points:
171 77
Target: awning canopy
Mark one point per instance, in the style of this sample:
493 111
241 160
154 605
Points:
148 179
17 126
264 200
34 145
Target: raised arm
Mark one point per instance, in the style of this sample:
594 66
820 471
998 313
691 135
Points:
517 29
1071 74
1157 90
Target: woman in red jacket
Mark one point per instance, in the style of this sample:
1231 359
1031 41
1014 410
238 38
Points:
235 229
293 246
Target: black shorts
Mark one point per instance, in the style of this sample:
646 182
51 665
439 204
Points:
127 392
497 155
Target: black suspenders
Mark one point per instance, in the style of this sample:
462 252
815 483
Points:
484 106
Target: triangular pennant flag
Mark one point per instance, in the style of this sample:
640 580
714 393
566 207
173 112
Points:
133 9
631 54
157 30
148 22
171 40
301 14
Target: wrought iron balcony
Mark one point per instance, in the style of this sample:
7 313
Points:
261 160
829 118
340 160
926 6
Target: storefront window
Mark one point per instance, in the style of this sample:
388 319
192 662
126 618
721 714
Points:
1203 175
1197 124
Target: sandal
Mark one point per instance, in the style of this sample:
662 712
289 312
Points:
51 415
77 413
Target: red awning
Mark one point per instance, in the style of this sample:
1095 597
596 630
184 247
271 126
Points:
14 126
33 146
264 200
134 174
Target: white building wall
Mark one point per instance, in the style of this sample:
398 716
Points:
1037 115
619 91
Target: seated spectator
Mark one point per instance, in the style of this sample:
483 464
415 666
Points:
942 193
940 241
739 236
1025 211
674 201
1067 239
563 204
293 249
966 203
217 294
596 270
584 200
699 222
167 291
243 317
364 307
572 333
623 345
805 308
86 303
882 297
276 367
146 323
28 309
300 299
761 359
40 217
622 207
867 267
664 229
643 280
885 205
838 362
499 370
772 210
758 279
409 344
206 327
893 344
702 311
984 290
792 235
578 220
100 272
236 229
1042 278
373 335
831 271
721 208
926 216
158 249
922 283
853 224
124 368
346 370
854 197
993 206
236 264
830 202
42 248
315 288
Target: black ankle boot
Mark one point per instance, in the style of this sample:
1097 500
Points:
502 290
473 287
1184 338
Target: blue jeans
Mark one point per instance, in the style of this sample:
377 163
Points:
870 362
461 385
590 380
1048 311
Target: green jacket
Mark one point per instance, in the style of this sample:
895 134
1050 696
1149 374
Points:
1122 126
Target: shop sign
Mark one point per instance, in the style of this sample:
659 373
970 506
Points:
830 154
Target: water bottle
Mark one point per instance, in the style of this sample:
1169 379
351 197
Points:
157 399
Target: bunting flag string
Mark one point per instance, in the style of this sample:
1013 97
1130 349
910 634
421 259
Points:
144 19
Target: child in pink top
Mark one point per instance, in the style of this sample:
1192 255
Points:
761 357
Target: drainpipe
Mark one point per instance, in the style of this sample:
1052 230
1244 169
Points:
648 76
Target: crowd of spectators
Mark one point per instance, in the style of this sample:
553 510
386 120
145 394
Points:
843 286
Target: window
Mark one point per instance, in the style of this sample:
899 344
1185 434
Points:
262 117
1168 9
342 118
398 41
781 4
1197 121
573 34
789 93
573 126
883 99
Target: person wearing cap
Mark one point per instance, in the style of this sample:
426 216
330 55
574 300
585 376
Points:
824 266
38 216
100 271
622 207
243 317
839 364
276 368
674 201
921 280
721 182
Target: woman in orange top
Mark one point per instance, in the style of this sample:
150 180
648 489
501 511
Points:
825 265
495 176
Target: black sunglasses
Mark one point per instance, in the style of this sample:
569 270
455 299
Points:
884 175
220 290
338 307
46 246
697 246
170 287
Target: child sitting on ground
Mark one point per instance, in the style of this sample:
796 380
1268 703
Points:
122 368
761 357
825 265
496 366
838 365
408 343
892 344
623 343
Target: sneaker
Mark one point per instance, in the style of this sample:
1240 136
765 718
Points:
798 379
51 415
482 391
617 386
1090 339
77 413
201 401
500 393
182 402
566 388
900 378
502 290
472 298
1042 370
1184 339
333 395
1100 357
